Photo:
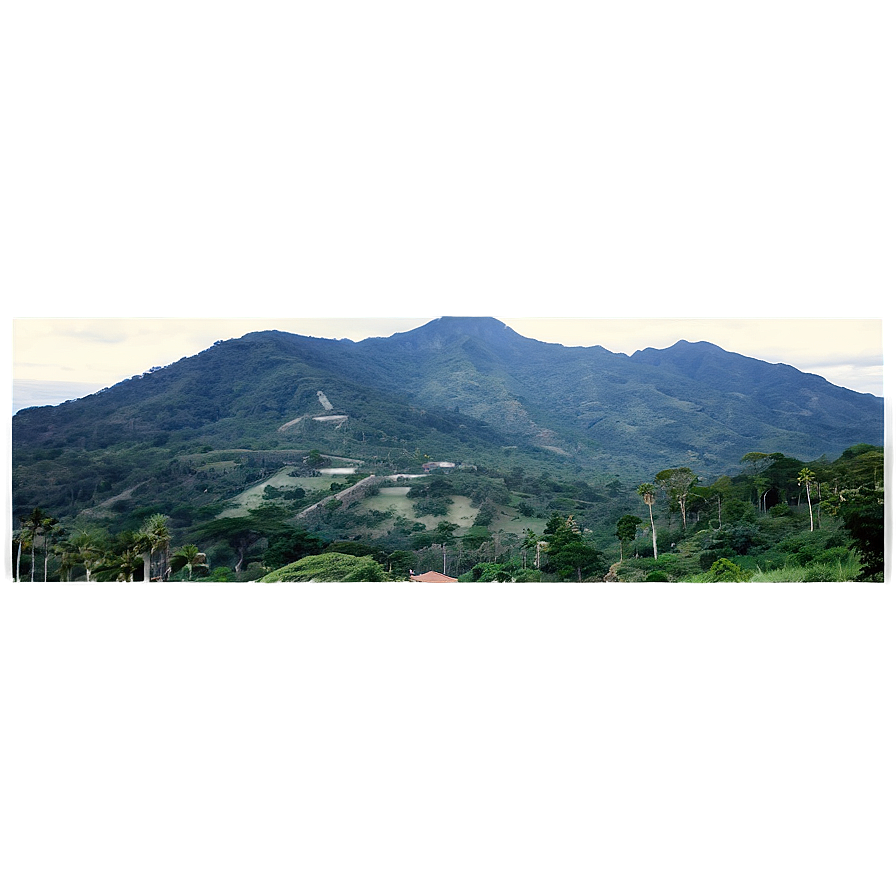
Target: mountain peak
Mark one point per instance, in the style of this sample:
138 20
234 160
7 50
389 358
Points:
478 326
444 330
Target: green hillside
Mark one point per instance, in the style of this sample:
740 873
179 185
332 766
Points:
265 447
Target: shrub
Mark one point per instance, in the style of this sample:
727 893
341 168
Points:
724 570
329 567
501 572
707 558
656 576
222 574
820 572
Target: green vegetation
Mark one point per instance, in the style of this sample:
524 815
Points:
788 522
222 468
329 567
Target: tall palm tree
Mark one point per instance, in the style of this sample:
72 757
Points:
530 541
87 549
67 559
807 477
33 523
189 557
130 562
648 493
154 537
52 533
22 537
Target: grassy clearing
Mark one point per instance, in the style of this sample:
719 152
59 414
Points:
253 496
461 511
395 498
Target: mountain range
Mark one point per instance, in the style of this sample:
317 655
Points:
460 389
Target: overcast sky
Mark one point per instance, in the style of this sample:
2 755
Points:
320 161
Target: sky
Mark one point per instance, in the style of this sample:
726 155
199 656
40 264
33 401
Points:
606 163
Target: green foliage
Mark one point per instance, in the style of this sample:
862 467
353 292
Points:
569 554
626 528
501 572
476 536
329 567
723 570
863 518
289 545
432 506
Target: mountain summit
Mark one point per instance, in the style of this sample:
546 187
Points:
468 386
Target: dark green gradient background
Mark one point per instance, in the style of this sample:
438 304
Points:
396 739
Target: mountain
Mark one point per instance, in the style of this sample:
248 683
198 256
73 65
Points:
692 403
468 389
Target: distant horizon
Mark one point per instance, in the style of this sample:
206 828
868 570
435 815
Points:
70 358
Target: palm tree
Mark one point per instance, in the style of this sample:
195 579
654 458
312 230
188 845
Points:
33 523
539 547
188 556
52 533
530 541
23 539
67 559
153 537
87 549
807 477
648 493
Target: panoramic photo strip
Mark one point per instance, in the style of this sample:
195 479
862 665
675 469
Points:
447 450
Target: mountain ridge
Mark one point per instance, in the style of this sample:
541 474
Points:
472 385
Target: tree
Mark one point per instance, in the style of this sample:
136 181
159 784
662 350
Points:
190 557
239 533
154 538
121 559
315 459
36 524
87 549
862 511
626 528
53 532
487 572
648 493
807 477
570 555
400 563
530 542
677 483
290 545
445 533
757 463
22 538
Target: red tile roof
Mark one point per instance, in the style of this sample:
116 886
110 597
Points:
432 577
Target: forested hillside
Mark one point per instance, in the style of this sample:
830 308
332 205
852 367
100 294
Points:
261 451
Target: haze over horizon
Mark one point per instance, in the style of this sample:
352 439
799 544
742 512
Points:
59 359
